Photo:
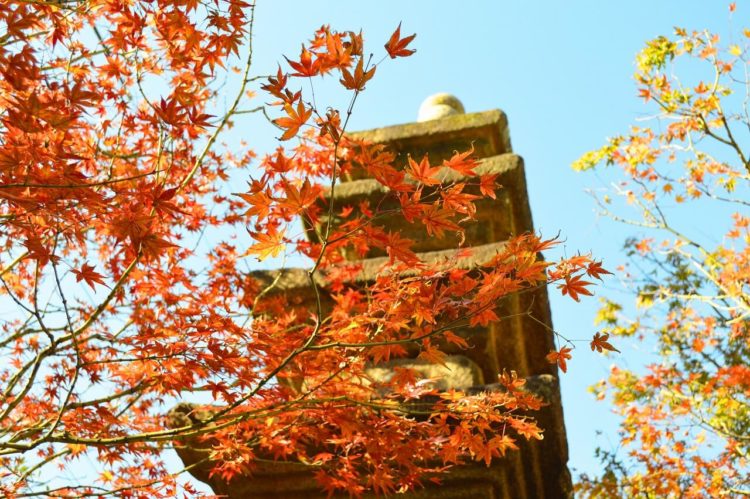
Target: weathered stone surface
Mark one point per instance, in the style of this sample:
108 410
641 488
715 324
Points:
296 279
486 131
496 219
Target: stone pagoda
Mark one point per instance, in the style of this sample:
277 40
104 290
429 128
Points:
519 342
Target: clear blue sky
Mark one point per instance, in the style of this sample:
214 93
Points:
560 70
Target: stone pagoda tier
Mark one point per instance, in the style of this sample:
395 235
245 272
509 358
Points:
538 470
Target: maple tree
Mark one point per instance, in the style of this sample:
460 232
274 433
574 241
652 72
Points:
124 247
684 428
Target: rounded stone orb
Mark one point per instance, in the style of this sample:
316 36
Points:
439 106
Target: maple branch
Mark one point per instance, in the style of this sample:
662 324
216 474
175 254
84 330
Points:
87 55
13 263
138 387
734 144
25 254
43 463
103 305
34 365
15 298
232 108
661 222
730 141
266 290
187 431
415 339
78 186
329 224
24 329
77 369
64 492
261 109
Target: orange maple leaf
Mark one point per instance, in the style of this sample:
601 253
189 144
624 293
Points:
276 84
575 286
595 270
296 118
487 185
260 203
399 248
455 339
432 354
423 172
152 245
86 273
526 428
600 343
457 200
437 220
462 162
306 67
560 357
269 244
360 77
300 198
163 202
502 443
483 317
396 45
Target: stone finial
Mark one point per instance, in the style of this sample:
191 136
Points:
439 106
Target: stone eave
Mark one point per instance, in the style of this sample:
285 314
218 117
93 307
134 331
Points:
500 165
490 125
296 279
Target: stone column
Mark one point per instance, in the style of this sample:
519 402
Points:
539 469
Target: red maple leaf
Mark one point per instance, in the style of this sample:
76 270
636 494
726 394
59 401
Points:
574 286
87 273
306 67
360 77
600 343
260 204
487 185
399 248
462 162
396 46
423 172
595 270
296 118
437 220
560 357
300 198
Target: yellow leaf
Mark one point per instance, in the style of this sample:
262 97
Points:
735 50
76 449
270 244
350 326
